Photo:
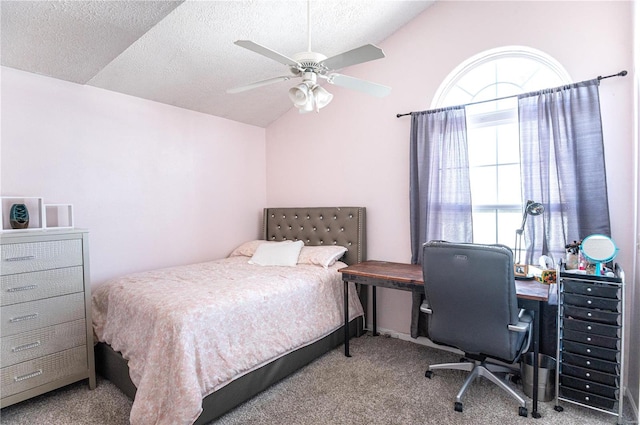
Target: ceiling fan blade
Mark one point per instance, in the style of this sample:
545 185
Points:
265 51
365 53
364 86
259 84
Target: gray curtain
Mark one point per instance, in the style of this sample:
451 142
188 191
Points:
562 157
439 190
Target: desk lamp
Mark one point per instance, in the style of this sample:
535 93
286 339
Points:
532 208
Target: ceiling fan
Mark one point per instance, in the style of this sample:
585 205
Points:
311 66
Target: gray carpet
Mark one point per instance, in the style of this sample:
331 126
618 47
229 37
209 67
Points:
383 383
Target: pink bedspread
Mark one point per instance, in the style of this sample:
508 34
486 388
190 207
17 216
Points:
187 331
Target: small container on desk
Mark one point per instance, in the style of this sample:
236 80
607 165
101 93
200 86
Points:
590 351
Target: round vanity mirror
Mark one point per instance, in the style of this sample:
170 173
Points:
598 249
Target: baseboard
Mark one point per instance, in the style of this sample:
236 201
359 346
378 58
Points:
419 340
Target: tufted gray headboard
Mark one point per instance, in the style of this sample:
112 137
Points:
320 226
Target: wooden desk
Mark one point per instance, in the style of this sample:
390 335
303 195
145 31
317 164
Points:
408 277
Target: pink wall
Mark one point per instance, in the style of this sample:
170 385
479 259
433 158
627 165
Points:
355 151
155 185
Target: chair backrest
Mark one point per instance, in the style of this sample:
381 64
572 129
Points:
471 291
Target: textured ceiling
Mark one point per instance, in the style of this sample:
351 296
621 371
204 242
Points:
182 53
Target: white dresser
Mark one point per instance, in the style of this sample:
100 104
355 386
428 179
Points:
45 307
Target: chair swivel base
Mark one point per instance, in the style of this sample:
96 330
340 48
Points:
477 370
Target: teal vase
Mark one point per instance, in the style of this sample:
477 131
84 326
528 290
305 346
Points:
19 216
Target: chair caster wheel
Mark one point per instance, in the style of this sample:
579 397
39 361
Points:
522 411
558 408
457 406
428 374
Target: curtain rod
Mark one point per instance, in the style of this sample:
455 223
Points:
600 77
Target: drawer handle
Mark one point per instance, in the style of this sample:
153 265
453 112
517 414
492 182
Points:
589 302
26 346
28 375
588 375
589 339
588 328
21 318
22 288
24 258
586 399
588 363
588 289
587 386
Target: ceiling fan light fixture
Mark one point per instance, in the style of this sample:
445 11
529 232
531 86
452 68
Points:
299 95
322 97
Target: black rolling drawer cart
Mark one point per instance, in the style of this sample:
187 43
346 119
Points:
590 341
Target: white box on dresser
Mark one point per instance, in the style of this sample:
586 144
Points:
46 333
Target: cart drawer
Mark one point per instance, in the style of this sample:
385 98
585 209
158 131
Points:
587 398
591 339
601 316
592 302
590 375
591 351
592 327
592 289
590 363
608 391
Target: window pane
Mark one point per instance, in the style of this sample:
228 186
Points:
482 146
484 227
483 186
508 144
508 223
509 188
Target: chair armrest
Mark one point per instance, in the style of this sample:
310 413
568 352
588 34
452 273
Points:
425 308
524 322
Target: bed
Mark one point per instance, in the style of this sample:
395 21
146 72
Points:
154 354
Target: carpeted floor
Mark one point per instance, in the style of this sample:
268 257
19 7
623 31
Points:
383 383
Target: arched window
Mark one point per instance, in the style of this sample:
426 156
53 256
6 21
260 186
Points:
490 82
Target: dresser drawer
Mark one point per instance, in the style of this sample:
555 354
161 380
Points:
596 290
610 331
17 318
592 339
23 287
35 256
41 342
27 375
588 301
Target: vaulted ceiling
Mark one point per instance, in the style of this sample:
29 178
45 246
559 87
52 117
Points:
181 53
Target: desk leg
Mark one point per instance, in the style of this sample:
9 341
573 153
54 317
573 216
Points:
375 309
536 351
346 319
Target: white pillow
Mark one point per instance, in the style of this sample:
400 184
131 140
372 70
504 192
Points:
277 254
324 256
247 249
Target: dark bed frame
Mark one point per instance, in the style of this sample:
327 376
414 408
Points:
343 226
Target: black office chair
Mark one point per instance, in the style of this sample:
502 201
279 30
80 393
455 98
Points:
472 306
